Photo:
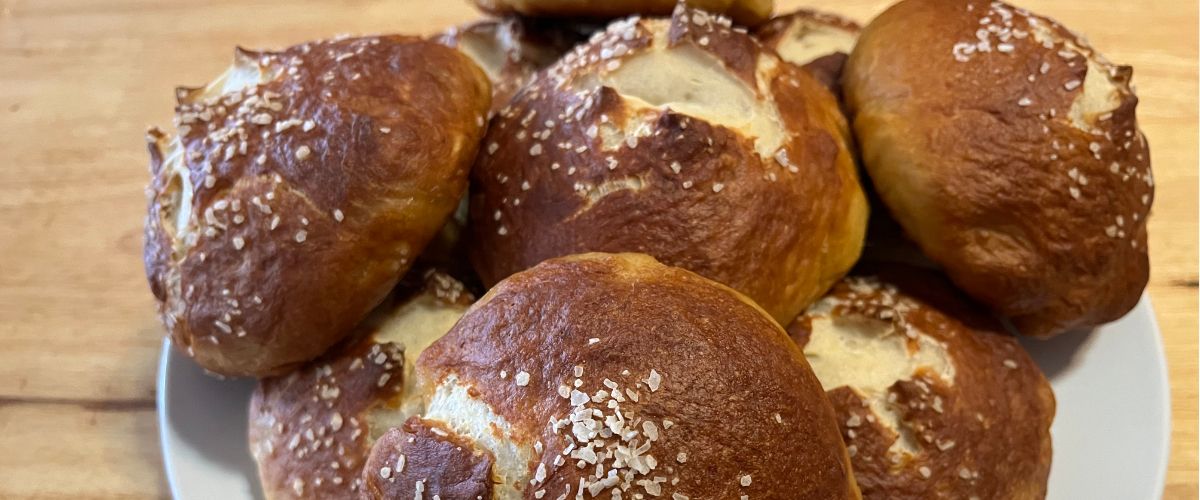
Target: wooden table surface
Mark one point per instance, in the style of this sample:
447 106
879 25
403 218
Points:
80 81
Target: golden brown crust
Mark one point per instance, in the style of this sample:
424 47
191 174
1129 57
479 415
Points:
984 433
745 12
305 195
1009 151
779 225
425 457
311 430
733 407
823 59
308 429
510 50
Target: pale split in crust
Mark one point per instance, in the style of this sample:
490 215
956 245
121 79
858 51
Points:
820 42
310 431
299 188
934 399
683 139
511 49
1009 151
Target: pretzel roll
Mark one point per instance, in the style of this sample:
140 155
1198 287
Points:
682 139
818 41
933 398
311 430
510 50
745 12
1009 151
606 376
300 186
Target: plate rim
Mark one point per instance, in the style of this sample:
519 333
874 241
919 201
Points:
1164 379
1164 439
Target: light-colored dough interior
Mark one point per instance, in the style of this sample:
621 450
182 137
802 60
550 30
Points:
869 356
692 81
805 41
452 405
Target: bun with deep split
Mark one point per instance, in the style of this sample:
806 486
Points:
934 399
683 139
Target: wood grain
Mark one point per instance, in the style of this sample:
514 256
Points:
80 80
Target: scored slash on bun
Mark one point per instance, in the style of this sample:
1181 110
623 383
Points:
744 12
817 41
1009 151
614 372
311 430
683 139
300 187
512 49
934 399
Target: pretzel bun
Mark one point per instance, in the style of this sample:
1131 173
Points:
298 190
1009 151
619 376
933 398
510 50
682 139
311 430
744 12
818 41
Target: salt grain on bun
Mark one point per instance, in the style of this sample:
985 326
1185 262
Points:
934 398
1009 150
604 375
683 139
299 188
311 430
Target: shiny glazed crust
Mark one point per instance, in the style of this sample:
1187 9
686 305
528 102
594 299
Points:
300 187
1009 151
983 432
442 464
310 431
766 201
699 378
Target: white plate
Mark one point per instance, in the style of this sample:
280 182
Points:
1111 433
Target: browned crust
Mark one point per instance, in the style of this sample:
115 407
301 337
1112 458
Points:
332 396
985 436
744 12
308 429
444 464
727 370
780 234
304 247
1023 209
827 69
526 45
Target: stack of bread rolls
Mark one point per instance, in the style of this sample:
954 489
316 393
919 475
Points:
657 190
